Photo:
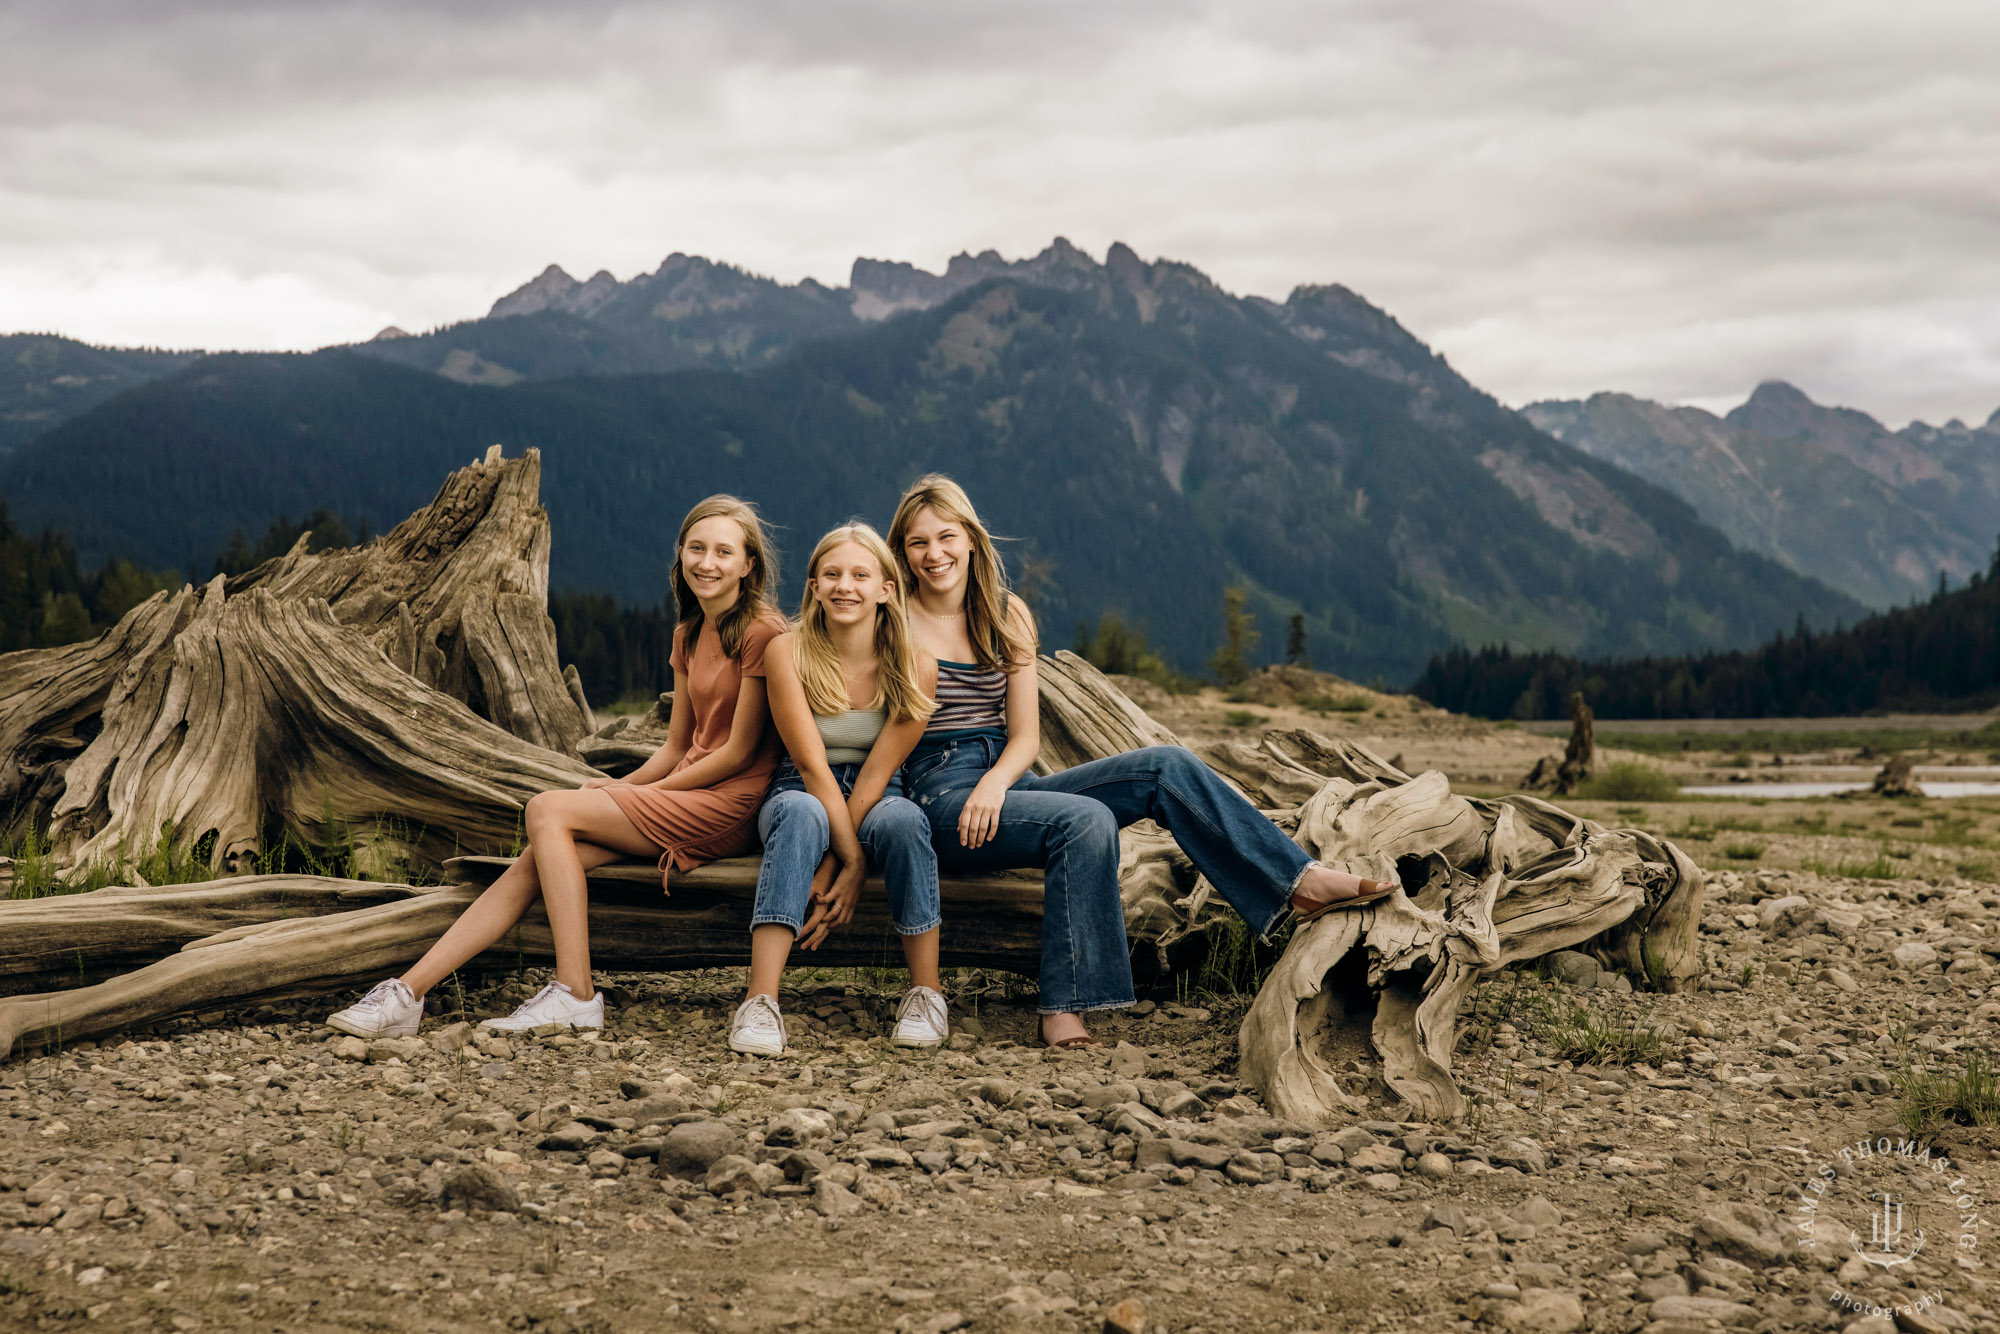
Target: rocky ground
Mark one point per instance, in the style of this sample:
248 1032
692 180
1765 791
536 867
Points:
1631 1162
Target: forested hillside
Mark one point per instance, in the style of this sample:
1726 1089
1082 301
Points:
45 379
1941 654
1146 439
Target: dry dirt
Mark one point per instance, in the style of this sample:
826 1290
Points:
255 1171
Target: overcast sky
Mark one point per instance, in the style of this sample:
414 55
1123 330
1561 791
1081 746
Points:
1674 200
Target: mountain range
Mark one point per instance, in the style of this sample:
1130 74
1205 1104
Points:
1829 492
1147 439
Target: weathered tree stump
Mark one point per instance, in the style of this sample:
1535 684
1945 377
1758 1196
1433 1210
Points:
334 698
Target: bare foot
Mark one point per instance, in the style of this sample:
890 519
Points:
1322 888
1065 1030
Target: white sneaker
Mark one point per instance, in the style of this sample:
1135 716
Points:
758 1028
920 1019
389 1010
553 1004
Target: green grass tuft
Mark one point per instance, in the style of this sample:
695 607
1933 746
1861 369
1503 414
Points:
1936 1095
1628 781
1574 1033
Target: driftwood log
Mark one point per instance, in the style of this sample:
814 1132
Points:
403 697
996 923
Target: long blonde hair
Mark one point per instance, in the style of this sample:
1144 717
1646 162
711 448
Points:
998 645
754 599
896 686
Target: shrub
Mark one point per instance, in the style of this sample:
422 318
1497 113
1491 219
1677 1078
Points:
1628 781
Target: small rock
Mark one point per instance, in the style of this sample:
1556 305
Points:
1523 1154
479 1187
1840 979
1450 1216
1576 968
1784 917
1434 1165
692 1147
1543 1310
834 1200
568 1138
452 1037
350 1049
1700 1310
1377 1158
1127 1061
1126 1317
383 1050
1536 1211
1644 1243
798 1127
733 1172
1351 1139
1914 954
1744 1232
92 1276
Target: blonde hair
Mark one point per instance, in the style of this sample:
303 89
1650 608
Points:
752 601
998 644
896 686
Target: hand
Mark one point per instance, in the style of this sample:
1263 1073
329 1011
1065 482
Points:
836 909
979 818
599 781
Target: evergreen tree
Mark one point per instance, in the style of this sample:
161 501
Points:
1231 662
1295 640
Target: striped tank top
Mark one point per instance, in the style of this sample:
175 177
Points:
848 737
969 700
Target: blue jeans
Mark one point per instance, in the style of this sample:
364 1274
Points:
894 834
1068 823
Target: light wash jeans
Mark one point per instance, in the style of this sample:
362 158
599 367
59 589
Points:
894 834
1068 823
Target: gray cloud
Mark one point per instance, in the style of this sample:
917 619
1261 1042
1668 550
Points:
1674 201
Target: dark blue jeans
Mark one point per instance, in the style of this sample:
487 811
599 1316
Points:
1068 822
894 834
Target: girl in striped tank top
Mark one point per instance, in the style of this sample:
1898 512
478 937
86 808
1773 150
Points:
850 694
987 812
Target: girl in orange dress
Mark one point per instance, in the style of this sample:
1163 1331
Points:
695 800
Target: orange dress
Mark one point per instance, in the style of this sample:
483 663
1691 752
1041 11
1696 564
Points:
703 824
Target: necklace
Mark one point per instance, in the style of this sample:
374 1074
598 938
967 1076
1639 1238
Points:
934 616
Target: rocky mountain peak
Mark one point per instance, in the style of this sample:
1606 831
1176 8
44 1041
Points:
1776 409
541 292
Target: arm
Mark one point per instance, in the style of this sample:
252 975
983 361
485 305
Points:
980 818
746 731
891 748
680 731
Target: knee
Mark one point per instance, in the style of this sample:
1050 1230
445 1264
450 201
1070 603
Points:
1090 824
545 811
796 815
895 821
1175 761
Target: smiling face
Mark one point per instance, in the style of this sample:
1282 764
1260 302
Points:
939 551
715 560
849 584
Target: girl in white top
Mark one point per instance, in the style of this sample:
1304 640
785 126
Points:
850 694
